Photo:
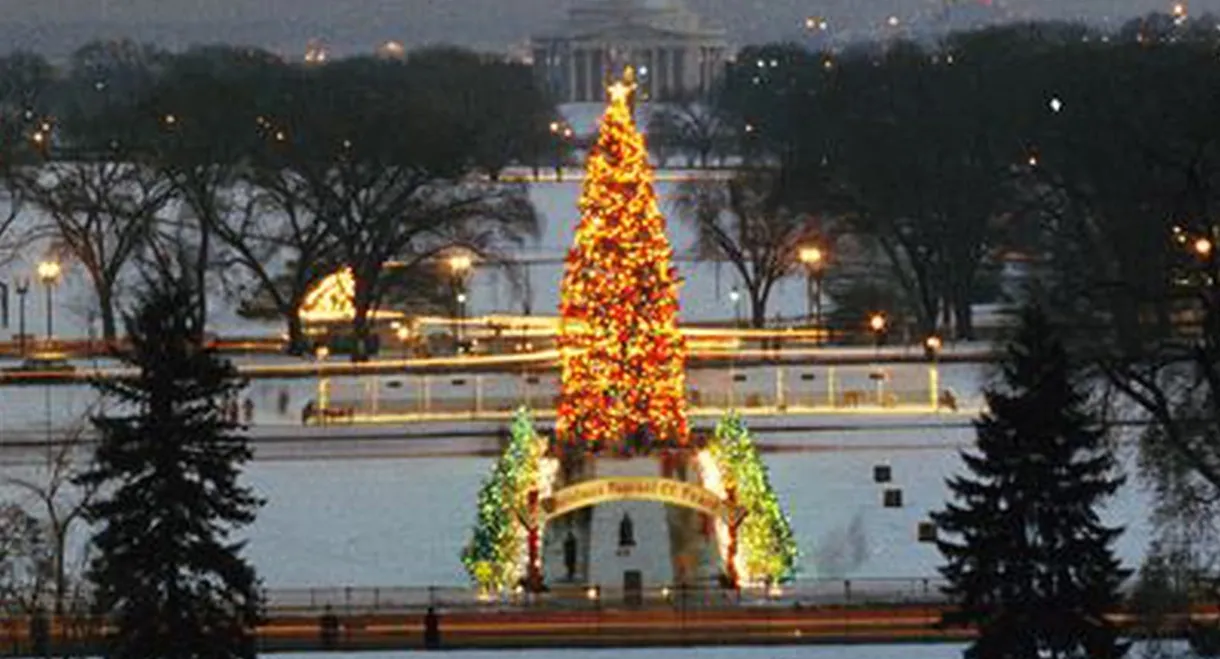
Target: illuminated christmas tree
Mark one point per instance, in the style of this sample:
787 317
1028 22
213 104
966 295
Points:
623 358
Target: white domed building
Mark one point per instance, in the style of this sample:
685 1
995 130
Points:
672 49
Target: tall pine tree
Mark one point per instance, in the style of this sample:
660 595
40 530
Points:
1028 560
167 573
623 358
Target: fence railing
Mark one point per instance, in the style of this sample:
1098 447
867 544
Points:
362 600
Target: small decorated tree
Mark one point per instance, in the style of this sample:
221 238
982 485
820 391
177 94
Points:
768 551
495 557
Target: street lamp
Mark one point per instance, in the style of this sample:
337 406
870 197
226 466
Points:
932 347
459 266
735 299
815 262
321 354
49 272
877 323
1204 247
22 288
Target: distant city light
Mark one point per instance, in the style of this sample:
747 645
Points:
816 23
1056 104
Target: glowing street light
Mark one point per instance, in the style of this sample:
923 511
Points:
1056 105
1203 247
460 265
49 272
933 345
735 300
815 267
877 322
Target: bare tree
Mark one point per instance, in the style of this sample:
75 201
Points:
743 221
280 243
692 127
60 502
101 214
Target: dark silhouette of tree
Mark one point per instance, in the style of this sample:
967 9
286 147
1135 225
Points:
202 148
378 152
743 221
167 573
1028 560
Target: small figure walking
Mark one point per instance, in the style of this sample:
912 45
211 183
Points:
248 409
283 402
569 555
432 629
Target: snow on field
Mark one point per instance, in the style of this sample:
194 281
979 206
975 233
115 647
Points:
402 522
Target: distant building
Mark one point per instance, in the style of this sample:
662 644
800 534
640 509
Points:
673 50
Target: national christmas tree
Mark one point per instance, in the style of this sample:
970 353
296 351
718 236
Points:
623 358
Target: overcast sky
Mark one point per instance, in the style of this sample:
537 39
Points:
56 26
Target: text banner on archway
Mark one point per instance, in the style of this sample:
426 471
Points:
636 488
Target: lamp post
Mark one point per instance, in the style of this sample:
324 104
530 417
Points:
22 288
459 267
323 383
932 347
735 299
877 323
49 272
815 262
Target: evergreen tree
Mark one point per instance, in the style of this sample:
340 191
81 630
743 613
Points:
166 571
623 357
1028 560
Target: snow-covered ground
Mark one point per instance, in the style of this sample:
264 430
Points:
383 521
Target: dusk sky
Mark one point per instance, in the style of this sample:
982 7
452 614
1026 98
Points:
55 27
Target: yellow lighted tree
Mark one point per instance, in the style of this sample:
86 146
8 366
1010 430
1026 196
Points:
622 356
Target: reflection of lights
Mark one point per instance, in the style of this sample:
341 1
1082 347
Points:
322 353
877 322
933 343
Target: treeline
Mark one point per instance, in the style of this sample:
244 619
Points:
1092 159
273 172
1086 157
